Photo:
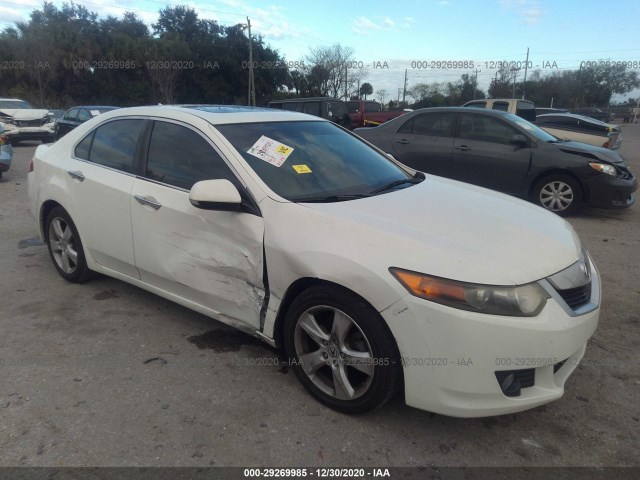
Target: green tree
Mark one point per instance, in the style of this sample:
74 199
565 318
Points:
366 89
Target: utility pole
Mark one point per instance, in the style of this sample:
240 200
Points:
526 66
399 90
404 90
252 85
514 70
475 83
578 82
346 84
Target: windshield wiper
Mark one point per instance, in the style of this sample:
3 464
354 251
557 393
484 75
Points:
419 177
332 198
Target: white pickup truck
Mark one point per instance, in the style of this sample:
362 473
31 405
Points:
523 108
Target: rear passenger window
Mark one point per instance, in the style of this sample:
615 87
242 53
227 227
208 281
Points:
434 124
114 144
180 157
83 148
502 106
430 124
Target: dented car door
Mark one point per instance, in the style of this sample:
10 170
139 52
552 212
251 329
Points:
211 258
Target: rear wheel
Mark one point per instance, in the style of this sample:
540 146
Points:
65 246
560 194
342 350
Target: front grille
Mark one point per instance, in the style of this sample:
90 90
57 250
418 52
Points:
576 297
30 123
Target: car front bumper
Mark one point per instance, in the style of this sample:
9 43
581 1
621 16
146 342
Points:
607 191
450 357
30 133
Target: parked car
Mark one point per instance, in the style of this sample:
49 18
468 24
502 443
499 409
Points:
501 151
6 152
594 113
568 126
372 276
364 113
523 108
544 111
23 122
76 116
323 107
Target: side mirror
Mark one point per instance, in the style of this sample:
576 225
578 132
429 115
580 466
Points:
519 140
215 195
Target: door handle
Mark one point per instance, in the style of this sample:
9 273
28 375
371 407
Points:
462 147
76 175
403 141
152 202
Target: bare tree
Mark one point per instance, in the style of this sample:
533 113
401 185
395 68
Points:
382 95
343 73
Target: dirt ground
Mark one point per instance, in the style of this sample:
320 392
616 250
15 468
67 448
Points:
106 374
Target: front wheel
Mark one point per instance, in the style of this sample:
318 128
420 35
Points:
341 350
560 194
65 246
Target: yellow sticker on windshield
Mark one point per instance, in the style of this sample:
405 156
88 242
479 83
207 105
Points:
301 168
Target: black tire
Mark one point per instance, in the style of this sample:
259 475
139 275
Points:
63 242
366 357
559 194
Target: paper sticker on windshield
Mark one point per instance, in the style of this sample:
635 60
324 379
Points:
95 112
301 168
270 151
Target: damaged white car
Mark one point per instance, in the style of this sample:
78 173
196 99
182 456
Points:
23 122
374 278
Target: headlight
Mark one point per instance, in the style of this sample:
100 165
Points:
604 168
519 301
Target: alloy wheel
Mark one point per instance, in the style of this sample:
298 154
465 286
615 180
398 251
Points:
63 245
333 352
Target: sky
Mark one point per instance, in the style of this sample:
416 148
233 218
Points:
421 37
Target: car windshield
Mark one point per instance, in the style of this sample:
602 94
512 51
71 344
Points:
532 129
317 160
14 104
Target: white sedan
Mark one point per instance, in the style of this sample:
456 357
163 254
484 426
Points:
374 278
568 126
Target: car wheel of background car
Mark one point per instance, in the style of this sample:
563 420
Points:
65 246
342 350
559 193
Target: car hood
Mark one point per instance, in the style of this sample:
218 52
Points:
444 228
24 113
585 150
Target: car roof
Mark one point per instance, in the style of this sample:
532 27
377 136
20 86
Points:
306 99
215 114
93 106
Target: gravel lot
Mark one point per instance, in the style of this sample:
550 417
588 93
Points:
106 374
